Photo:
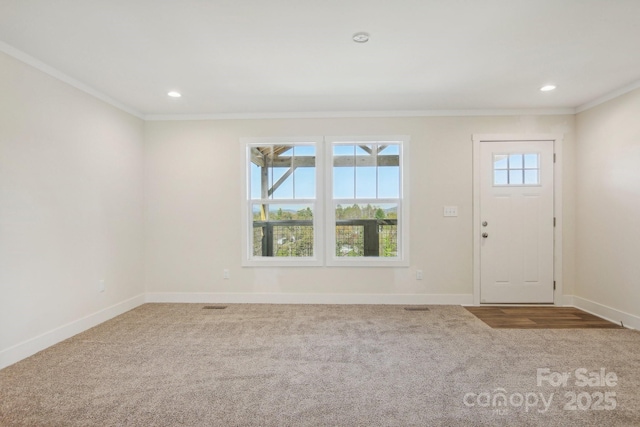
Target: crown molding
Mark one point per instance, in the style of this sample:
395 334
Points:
608 97
362 114
53 72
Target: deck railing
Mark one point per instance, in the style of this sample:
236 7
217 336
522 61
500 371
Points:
354 237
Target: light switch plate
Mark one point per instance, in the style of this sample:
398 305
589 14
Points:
450 211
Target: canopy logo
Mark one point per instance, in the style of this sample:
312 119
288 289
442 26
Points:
500 401
599 399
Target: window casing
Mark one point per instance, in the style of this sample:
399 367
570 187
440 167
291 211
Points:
367 201
364 190
282 208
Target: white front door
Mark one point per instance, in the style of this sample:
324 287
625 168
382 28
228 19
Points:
516 221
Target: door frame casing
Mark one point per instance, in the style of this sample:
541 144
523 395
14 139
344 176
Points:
478 139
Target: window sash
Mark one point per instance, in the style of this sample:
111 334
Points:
325 223
401 257
279 235
274 228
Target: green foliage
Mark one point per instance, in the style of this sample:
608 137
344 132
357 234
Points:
294 241
367 212
305 213
297 240
389 241
349 241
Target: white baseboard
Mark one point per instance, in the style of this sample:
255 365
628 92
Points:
614 315
299 298
31 346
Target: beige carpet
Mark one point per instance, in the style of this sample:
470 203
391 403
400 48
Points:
311 365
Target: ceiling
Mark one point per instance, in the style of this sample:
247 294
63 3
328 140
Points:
274 57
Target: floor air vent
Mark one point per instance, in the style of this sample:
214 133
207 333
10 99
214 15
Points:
214 307
417 308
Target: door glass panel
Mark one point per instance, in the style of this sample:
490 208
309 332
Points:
515 177
516 169
515 161
500 161
531 161
531 177
500 177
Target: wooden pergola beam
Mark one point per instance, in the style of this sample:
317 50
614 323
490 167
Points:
282 179
339 161
373 160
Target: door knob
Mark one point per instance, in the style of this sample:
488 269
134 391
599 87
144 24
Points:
485 223
485 235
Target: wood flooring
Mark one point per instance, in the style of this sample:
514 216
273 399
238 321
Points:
539 318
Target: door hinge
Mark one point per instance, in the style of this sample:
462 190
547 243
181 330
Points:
554 285
554 221
554 157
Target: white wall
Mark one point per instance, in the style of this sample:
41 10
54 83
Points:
70 210
73 169
608 205
193 196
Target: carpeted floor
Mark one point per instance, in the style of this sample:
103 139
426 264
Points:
312 365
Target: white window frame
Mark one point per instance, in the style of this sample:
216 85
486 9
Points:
403 209
247 218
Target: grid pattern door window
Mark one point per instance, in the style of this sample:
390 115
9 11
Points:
516 169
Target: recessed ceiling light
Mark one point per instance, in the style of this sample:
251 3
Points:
174 94
547 88
361 37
